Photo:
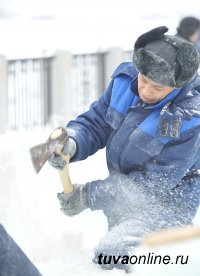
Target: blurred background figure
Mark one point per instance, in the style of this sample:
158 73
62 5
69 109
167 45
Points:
189 28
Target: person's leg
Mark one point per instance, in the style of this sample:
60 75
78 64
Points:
13 261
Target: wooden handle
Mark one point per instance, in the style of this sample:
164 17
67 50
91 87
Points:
171 236
64 174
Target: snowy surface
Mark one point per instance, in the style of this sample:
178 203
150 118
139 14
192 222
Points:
29 211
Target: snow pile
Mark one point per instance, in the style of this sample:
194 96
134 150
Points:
29 211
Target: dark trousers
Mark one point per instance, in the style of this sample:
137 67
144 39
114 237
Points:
13 261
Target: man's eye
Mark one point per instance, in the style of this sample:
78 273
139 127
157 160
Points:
159 88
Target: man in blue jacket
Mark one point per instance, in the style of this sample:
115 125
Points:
149 121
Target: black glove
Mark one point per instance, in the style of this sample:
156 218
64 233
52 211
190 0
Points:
56 160
75 202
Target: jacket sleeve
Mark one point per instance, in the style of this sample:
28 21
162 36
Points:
90 130
160 178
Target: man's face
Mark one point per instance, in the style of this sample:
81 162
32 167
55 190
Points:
150 92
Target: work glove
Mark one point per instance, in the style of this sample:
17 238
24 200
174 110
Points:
75 202
104 258
69 148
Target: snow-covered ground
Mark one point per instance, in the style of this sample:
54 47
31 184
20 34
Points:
29 210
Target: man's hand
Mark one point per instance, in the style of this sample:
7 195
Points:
75 202
56 160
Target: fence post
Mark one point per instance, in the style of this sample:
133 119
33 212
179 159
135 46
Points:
61 94
112 59
4 94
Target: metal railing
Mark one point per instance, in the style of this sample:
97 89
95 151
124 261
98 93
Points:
28 92
87 80
29 87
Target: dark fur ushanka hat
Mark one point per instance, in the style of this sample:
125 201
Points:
167 60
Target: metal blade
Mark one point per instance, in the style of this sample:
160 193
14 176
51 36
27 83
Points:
39 156
41 153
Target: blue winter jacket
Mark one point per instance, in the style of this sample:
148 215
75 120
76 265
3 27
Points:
155 148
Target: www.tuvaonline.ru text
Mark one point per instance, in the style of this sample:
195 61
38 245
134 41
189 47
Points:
151 258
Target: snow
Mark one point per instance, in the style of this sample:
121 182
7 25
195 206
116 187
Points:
29 211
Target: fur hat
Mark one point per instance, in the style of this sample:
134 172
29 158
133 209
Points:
167 60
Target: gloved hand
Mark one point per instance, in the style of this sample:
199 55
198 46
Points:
56 160
104 258
75 202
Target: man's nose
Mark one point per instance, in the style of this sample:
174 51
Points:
147 90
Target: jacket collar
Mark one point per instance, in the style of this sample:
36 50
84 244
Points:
184 106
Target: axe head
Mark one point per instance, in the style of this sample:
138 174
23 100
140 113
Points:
41 153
